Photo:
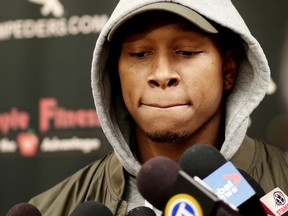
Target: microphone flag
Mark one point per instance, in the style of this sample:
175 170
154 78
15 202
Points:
228 183
275 202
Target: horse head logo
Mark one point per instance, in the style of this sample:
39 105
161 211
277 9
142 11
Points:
53 7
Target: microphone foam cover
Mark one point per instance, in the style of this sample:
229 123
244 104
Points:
156 179
23 209
201 160
141 211
91 208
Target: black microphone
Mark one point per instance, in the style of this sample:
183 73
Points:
193 163
23 209
207 163
161 182
201 160
141 211
91 208
156 179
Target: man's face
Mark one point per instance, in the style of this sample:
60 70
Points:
172 82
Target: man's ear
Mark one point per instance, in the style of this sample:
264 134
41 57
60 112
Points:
231 62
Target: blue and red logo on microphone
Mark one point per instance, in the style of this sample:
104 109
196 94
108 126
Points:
183 205
228 183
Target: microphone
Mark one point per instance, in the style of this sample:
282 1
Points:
156 179
223 178
161 182
23 209
141 211
275 202
191 161
91 208
201 160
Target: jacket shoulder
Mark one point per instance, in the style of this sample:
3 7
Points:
270 166
266 163
101 181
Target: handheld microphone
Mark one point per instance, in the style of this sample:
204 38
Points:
275 202
223 178
91 208
161 182
141 211
23 209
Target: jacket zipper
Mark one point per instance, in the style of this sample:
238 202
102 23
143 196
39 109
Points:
117 206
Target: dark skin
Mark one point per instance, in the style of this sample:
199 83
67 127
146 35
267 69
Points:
173 80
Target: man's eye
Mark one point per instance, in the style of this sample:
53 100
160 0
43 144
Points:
138 54
188 53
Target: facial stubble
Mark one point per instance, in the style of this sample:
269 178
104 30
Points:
167 137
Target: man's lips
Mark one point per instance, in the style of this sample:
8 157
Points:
165 106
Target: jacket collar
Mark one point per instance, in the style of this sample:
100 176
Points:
244 156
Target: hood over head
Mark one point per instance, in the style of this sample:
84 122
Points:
250 87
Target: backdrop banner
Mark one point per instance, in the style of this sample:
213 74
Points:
48 124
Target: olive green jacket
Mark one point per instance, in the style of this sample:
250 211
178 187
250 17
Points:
104 180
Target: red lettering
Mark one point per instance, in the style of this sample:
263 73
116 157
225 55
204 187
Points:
92 118
63 118
81 118
282 209
46 113
13 120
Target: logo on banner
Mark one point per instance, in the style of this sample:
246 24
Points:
183 205
60 25
53 7
28 143
52 117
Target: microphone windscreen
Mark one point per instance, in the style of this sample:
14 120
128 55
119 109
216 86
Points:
141 211
23 209
91 208
201 160
156 179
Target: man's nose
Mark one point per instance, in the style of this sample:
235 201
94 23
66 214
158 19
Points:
163 74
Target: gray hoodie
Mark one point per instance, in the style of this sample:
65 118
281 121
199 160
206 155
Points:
251 86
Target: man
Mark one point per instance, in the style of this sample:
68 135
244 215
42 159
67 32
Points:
167 76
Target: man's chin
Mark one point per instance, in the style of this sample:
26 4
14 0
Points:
167 137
